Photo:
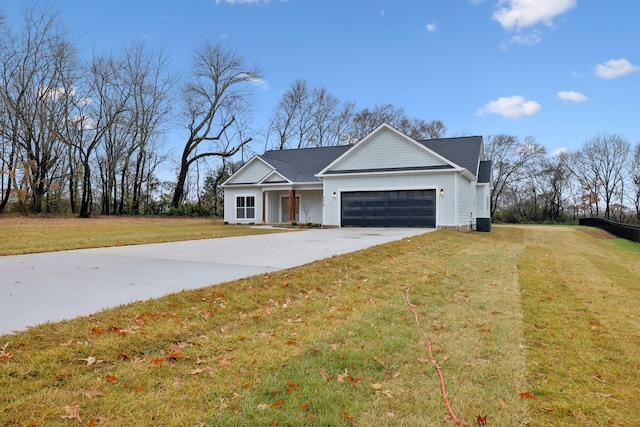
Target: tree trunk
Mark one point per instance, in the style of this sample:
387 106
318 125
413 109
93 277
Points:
7 192
178 194
85 205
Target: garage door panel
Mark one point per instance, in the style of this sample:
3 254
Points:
399 208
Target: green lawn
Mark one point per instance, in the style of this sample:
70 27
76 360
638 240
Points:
531 325
21 235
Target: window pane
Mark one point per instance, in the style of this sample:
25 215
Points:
240 202
251 202
251 213
240 213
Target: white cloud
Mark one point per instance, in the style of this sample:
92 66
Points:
569 95
615 68
254 80
432 28
518 14
526 39
83 122
559 152
512 107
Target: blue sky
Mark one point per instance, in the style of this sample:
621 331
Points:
559 70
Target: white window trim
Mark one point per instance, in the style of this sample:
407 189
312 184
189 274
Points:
245 207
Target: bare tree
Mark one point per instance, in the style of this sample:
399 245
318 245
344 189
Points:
213 100
367 120
310 117
509 157
601 162
146 73
39 68
99 111
7 145
634 172
323 113
287 112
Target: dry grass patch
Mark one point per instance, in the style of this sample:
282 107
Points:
531 325
580 300
22 235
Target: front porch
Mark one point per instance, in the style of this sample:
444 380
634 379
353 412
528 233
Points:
277 207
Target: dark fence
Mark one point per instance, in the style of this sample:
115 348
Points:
626 231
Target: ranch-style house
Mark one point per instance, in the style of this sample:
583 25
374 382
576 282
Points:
386 179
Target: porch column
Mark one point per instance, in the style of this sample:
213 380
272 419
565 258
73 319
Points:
292 206
264 206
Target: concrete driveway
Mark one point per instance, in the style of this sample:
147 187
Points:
53 286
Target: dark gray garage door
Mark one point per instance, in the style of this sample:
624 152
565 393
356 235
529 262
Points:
402 208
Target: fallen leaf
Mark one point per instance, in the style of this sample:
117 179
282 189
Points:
481 420
304 406
347 417
174 356
324 375
579 415
526 395
309 416
73 413
4 355
156 362
111 378
90 394
278 403
377 386
334 346
223 362
97 330
342 377
291 387
390 414
263 406
90 360
196 371
599 378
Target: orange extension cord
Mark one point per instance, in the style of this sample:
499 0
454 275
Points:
433 360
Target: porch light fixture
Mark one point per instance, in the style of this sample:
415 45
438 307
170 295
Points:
334 195
442 192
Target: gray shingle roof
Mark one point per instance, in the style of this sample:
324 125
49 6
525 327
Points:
301 165
463 151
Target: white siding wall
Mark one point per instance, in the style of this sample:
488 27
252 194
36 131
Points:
387 150
445 205
466 201
312 200
252 173
483 207
230 195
